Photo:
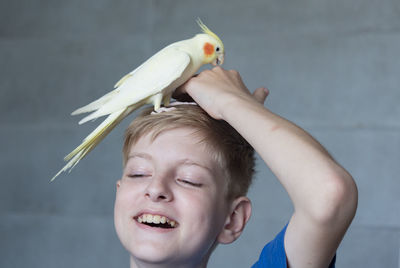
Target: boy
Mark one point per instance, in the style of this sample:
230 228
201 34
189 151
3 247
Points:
186 174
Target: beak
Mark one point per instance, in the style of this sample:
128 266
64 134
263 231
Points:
219 60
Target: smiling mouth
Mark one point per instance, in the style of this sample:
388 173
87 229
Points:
156 221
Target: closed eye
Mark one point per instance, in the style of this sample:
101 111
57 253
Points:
194 184
137 175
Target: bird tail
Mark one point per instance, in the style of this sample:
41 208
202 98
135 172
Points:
95 104
94 138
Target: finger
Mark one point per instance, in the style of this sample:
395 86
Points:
181 93
260 94
217 68
182 88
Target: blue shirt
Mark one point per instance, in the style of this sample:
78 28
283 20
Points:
273 254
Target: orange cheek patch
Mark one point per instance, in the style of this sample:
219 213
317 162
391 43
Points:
208 49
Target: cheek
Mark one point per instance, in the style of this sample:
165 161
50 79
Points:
128 191
118 205
124 202
118 212
205 222
208 49
202 209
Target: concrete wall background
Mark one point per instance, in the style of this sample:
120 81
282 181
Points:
332 67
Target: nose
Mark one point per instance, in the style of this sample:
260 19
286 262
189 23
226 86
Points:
158 190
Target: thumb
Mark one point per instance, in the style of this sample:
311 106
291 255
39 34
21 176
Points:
260 94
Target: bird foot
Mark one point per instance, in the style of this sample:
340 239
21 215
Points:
171 107
163 109
175 103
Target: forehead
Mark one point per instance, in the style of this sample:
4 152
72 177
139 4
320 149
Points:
180 140
178 143
173 134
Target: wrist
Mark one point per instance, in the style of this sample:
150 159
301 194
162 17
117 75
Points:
236 106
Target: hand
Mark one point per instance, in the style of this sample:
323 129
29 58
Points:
217 89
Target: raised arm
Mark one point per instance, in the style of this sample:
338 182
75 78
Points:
323 193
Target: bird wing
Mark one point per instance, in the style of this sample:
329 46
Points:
95 105
156 74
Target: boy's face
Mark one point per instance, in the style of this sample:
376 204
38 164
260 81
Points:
173 179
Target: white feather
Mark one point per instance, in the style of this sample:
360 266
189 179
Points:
152 82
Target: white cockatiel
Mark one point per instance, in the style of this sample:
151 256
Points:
153 82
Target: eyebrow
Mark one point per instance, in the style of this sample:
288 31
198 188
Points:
140 155
189 162
183 162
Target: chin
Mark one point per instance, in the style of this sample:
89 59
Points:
156 257
152 252
166 255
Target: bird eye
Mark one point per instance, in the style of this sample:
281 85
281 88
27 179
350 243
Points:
217 49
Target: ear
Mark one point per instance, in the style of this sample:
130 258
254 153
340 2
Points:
236 220
118 184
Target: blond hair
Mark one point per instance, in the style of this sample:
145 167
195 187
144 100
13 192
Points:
228 147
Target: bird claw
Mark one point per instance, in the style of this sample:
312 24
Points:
175 103
171 107
163 109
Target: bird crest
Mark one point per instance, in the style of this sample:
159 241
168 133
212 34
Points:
206 30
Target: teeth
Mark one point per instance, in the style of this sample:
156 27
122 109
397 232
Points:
163 220
156 219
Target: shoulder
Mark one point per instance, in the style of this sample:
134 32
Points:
273 254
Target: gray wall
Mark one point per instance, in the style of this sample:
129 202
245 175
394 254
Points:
332 67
